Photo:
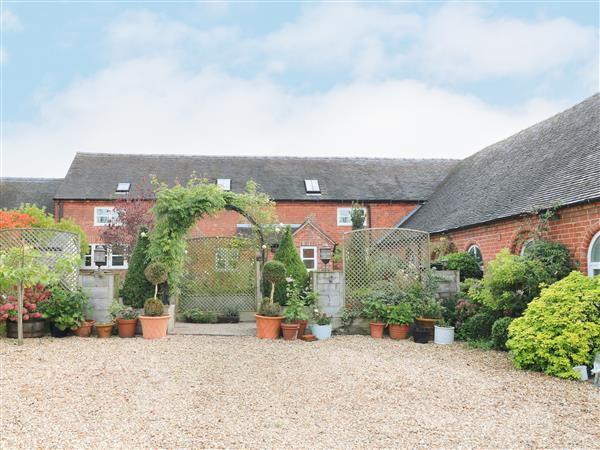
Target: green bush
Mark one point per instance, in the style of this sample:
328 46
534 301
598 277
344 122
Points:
199 316
500 332
510 283
294 267
153 307
560 329
555 257
466 263
478 326
136 288
65 309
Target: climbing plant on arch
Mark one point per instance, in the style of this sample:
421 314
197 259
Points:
179 207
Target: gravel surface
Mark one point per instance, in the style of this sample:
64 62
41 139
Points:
350 391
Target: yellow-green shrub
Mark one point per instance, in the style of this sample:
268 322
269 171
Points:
560 328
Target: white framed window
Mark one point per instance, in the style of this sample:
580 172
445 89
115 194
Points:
114 258
312 186
224 183
344 217
526 244
123 187
309 257
594 256
104 215
226 259
475 252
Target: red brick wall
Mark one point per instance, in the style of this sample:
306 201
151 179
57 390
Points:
574 226
323 213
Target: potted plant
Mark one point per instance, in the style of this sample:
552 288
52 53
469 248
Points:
443 333
304 299
125 317
65 310
104 329
33 322
321 328
294 312
429 312
154 321
399 318
85 329
269 318
375 311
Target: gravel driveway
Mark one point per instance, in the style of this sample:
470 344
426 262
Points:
353 391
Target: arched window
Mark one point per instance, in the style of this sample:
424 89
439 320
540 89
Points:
594 256
526 244
475 252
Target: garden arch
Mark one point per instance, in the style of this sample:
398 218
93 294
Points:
178 209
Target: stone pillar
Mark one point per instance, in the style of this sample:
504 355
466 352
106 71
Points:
99 286
330 287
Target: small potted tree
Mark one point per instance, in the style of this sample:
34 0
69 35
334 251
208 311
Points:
375 311
293 314
154 320
269 318
399 319
321 328
125 317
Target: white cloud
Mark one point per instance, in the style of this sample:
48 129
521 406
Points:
462 41
9 21
155 106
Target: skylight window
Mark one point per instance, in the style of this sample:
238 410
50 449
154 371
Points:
224 183
123 187
312 186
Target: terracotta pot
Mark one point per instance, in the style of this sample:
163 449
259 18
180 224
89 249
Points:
84 330
32 328
154 327
424 322
302 327
126 327
377 329
290 331
399 331
268 327
104 330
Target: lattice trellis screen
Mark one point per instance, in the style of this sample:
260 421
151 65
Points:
376 256
52 246
219 274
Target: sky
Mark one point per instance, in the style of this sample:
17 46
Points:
396 79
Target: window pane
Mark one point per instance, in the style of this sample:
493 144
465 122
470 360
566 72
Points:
118 260
308 253
309 263
596 272
595 256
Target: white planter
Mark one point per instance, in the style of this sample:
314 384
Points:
321 332
582 371
443 335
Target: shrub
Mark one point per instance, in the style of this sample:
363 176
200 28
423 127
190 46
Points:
199 316
153 307
500 332
156 273
294 267
295 311
555 257
401 314
269 309
465 263
32 300
560 329
65 309
136 288
478 326
374 310
274 272
230 315
510 283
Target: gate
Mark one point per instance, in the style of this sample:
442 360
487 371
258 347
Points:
382 259
219 275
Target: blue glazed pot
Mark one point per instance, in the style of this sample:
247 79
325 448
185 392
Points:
321 332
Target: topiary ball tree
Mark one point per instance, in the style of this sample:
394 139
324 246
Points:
136 288
156 273
153 307
274 272
294 267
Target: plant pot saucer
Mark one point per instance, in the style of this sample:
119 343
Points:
308 337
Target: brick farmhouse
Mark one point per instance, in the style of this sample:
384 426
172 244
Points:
481 204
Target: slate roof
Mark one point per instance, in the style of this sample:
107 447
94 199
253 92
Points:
555 160
96 175
14 191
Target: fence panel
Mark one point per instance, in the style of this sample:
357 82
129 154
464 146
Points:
220 274
376 259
